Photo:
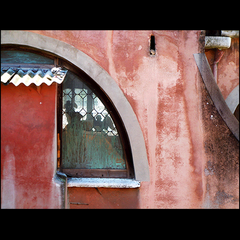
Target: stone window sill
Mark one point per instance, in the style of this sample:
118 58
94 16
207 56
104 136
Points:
103 183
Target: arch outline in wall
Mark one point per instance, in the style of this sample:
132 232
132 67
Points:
215 94
102 78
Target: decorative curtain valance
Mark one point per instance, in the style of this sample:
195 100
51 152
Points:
28 76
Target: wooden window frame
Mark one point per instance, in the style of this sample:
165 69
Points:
95 173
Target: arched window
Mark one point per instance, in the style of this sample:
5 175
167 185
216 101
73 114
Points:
106 84
92 139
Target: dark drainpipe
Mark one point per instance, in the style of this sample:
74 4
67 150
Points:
63 178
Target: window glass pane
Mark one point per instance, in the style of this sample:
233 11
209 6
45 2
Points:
21 57
90 139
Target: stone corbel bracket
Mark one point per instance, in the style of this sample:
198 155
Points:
221 42
217 42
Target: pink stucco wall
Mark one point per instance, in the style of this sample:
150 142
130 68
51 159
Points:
163 91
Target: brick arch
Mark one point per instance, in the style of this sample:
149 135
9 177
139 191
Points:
102 78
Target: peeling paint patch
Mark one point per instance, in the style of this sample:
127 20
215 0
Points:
222 198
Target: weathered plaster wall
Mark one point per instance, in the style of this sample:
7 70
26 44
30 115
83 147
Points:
165 92
221 165
28 147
